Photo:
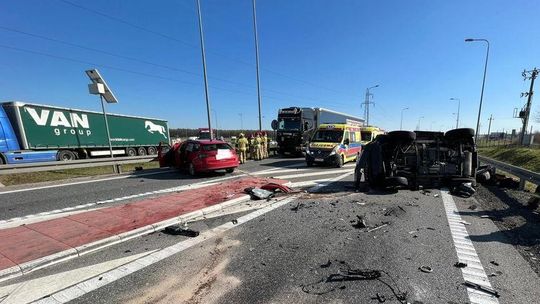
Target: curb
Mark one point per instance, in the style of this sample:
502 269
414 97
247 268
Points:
27 267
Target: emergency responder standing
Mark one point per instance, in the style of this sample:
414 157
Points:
242 143
258 144
252 146
264 145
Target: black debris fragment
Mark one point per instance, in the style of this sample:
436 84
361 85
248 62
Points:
258 193
494 263
460 265
235 221
379 297
360 223
485 289
327 264
179 230
138 168
395 211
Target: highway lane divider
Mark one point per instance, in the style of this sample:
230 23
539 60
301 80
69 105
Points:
79 287
74 164
30 247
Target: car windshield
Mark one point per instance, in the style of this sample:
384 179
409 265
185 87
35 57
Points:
292 124
334 136
366 135
215 147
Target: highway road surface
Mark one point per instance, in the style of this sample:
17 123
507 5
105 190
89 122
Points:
325 243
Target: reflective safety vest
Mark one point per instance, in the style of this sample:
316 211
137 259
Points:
242 143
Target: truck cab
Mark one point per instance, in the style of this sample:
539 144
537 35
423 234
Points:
293 131
334 144
10 149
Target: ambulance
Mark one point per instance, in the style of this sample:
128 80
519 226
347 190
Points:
367 134
335 144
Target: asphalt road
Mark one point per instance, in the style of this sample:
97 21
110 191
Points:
307 250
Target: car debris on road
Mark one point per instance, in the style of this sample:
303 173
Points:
180 230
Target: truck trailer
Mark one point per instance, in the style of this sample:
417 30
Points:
37 133
296 125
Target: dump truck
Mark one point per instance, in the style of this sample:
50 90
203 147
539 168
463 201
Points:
296 125
37 133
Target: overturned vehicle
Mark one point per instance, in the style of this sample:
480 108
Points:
420 159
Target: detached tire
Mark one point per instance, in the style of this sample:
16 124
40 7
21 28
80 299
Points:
65 155
401 137
464 133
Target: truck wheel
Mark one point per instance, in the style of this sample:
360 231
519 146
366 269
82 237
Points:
141 151
131 152
191 169
152 151
65 155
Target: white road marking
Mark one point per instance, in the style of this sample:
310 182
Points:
300 169
35 289
85 182
83 286
474 272
322 172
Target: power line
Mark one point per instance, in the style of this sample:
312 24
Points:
116 19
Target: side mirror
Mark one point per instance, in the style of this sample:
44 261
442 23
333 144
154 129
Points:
346 141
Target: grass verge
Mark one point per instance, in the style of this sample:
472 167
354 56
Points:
522 157
54 175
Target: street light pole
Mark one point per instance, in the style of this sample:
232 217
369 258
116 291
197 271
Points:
367 102
418 125
483 83
401 123
257 62
458 106
106 125
201 36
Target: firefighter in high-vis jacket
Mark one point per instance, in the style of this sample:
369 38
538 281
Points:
264 145
258 145
252 145
243 144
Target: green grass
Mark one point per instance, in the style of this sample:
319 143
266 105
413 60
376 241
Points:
522 157
54 175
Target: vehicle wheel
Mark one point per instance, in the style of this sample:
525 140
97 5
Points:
65 155
152 151
340 161
459 133
191 169
401 137
229 170
141 151
131 152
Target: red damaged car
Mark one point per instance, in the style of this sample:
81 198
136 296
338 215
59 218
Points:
199 156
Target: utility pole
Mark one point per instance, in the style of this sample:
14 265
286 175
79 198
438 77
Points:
489 126
257 62
203 55
526 112
367 102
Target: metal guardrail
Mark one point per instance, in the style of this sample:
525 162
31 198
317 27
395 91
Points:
82 163
523 174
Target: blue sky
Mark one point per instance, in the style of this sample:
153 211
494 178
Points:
317 53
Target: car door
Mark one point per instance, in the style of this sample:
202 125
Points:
164 155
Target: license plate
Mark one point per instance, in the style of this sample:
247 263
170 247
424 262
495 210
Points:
319 159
